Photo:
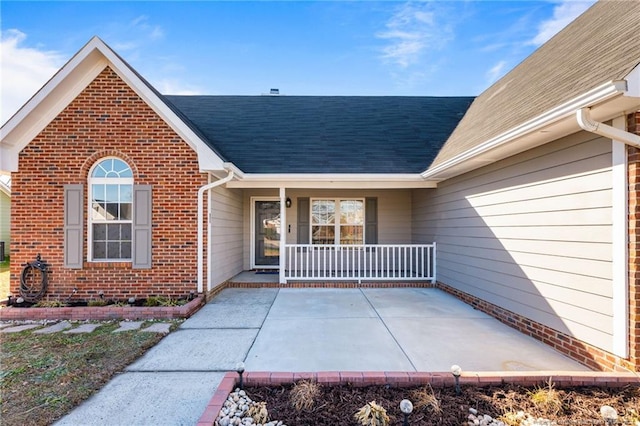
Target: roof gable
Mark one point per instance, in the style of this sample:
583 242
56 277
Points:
68 82
600 46
325 134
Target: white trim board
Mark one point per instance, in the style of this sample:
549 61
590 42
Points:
619 246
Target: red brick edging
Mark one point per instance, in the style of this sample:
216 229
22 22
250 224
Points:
101 313
562 379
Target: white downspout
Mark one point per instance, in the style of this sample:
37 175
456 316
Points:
619 231
587 123
201 226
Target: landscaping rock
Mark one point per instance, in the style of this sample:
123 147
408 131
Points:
19 328
63 325
158 327
128 326
84 328
235 411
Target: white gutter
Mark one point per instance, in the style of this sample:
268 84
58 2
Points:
201 192
587 123
596 95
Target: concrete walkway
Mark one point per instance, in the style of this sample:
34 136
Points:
308 330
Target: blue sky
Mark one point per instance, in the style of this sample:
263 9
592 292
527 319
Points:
426 48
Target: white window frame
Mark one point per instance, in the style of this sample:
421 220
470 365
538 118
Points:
337 224
105 180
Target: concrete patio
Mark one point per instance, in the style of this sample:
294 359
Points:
301 330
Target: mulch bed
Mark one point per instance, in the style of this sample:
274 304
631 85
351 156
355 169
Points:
336 405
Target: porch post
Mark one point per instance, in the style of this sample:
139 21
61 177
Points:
283 234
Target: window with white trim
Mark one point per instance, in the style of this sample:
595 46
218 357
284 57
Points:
337 221
110 210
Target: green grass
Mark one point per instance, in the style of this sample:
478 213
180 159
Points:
43 377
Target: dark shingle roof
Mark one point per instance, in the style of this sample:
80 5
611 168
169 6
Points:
324 134
601 45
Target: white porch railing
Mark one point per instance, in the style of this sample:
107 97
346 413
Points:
389 262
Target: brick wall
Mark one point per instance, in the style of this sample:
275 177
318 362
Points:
107 119
633 126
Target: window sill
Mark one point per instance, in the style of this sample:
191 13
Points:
107 265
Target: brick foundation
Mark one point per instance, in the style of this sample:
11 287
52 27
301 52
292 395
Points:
103 313
318 284
107 119
590 356
562 379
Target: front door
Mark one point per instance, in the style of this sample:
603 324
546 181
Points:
267 233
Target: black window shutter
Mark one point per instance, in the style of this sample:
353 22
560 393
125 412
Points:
303 221
371 221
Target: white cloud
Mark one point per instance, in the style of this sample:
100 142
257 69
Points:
23 71
169 86
563 13
411 32
496 71
135 34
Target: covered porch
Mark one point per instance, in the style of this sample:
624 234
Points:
335 235
361 262
316 234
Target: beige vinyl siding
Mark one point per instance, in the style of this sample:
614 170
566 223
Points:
394 212
5 221
531 234
226 229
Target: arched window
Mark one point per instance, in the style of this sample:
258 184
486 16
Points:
110 210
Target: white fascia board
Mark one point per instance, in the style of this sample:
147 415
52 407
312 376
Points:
599 94
633 82
66 84
337 181
46 104
208 160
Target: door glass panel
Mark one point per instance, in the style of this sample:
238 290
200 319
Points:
268 228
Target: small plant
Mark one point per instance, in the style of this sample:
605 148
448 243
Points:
547 398
372 414
50 304
97 302
258 412
154 301
426 399
303 395
163 301
631 417
512 418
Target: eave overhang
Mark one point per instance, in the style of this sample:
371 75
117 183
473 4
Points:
68 83
606 101
332 181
